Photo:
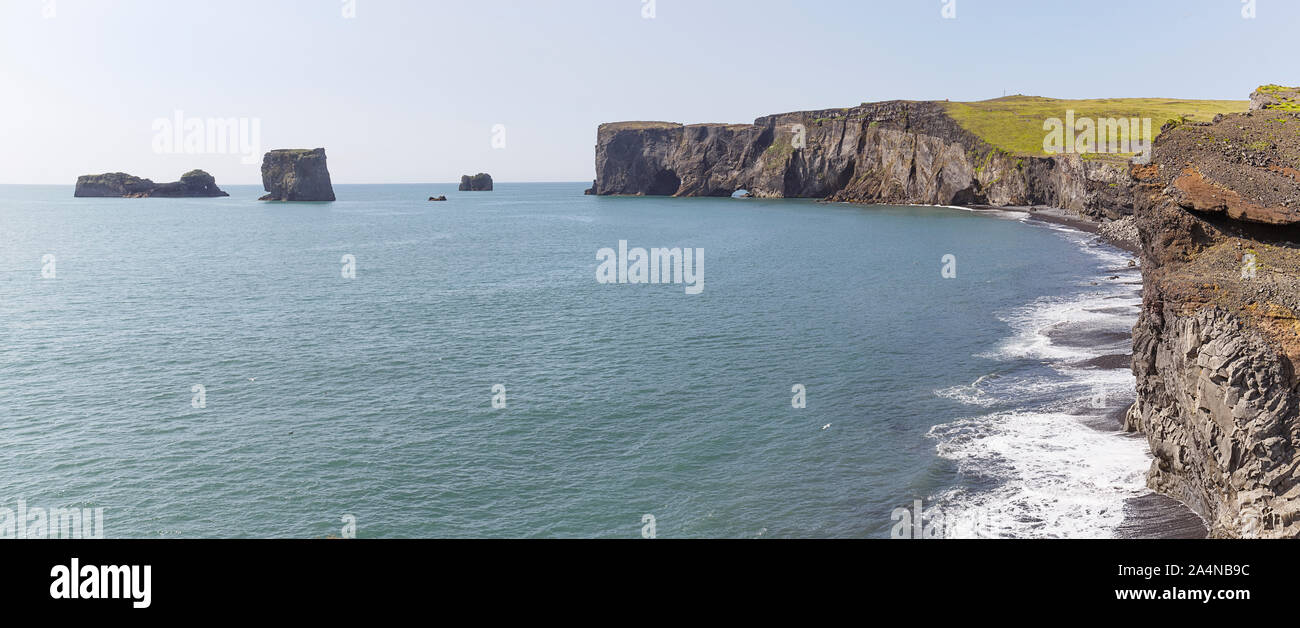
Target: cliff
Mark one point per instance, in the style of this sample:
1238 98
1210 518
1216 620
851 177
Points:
481 182
296 175
890 152
1217 343
195 183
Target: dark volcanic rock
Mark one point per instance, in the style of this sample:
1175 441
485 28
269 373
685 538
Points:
886 152
192 183
296 174
1218 341
1241 166
195 183
440 197
481 182
111 184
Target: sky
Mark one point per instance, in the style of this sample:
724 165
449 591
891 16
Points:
423 91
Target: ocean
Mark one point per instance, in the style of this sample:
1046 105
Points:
231 368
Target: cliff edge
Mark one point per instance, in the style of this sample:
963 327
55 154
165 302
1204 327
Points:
1217 343
908 152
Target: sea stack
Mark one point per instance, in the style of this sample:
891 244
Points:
296 174
193 184
481 182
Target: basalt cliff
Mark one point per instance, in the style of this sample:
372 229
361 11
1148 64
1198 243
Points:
195 183
908 152
1217 344
1217 213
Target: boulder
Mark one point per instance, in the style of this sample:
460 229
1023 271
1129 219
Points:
1275 97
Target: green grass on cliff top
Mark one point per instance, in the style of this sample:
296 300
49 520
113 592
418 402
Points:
1015 123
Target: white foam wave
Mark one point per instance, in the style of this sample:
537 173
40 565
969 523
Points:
994 390
1094 312
1052 475
1056 477
1066 391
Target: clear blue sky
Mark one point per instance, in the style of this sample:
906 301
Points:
408 90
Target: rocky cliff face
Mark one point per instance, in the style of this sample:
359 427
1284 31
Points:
481 182
296 175
888 152
195 183
1216 346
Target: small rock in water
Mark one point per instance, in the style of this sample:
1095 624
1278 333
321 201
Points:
481 182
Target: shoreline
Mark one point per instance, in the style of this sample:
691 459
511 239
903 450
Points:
1065 217
1152 515
1047 214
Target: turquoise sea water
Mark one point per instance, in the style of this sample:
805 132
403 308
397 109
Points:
372 396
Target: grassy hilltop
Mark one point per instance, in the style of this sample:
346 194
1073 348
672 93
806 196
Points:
1015 123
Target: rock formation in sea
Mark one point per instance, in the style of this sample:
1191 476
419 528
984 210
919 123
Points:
481 182
886 152
440 197
1218 342
296 174
195 183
